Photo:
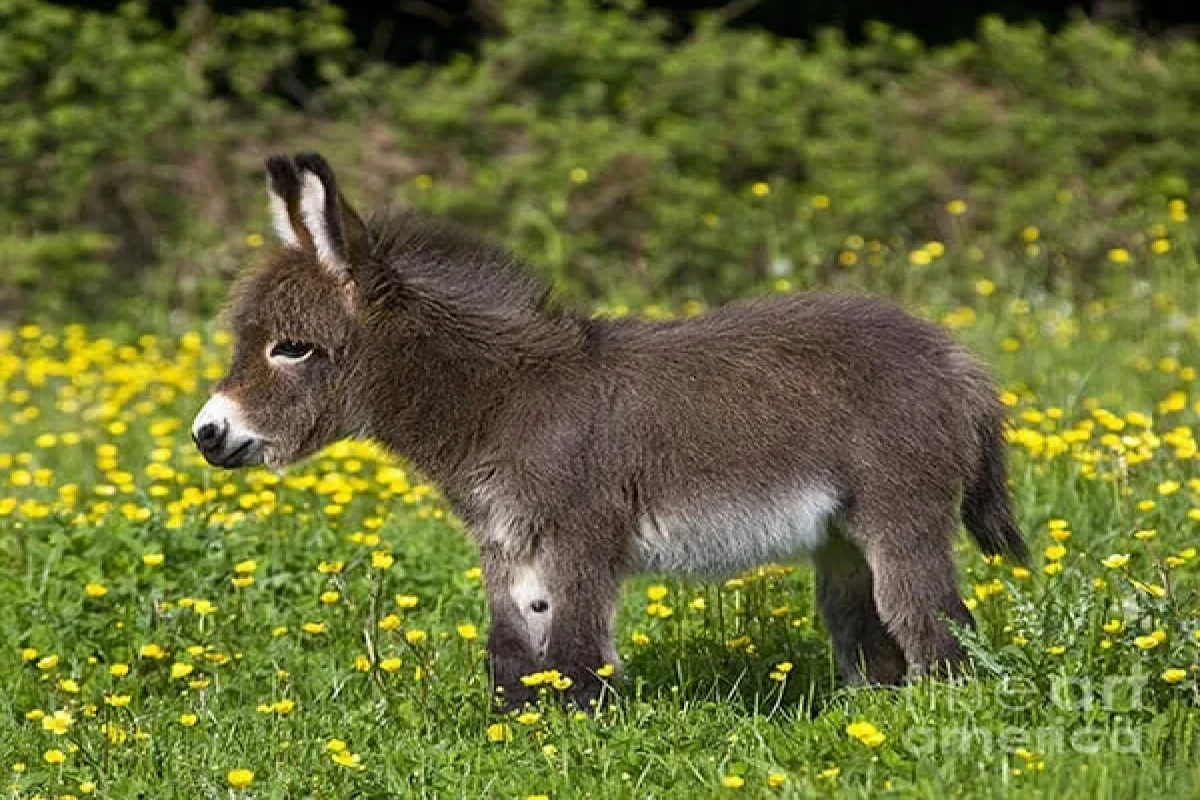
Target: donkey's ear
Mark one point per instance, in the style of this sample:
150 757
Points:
283 192
338 235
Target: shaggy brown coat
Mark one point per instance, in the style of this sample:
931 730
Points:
578 450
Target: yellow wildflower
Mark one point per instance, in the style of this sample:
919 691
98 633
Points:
239 778
866 733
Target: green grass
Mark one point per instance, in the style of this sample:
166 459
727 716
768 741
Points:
1061 707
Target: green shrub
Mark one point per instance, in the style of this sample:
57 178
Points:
629 168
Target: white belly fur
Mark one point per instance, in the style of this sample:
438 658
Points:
724 536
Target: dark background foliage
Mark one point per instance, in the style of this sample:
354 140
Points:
634 152
405 31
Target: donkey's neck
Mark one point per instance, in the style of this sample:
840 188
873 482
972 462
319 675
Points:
434 395
457 328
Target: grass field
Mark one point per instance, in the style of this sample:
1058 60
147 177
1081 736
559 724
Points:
170 630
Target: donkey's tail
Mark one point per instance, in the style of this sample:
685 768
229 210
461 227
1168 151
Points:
986 510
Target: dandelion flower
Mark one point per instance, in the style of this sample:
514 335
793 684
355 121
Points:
58 722
54 756
204 607
239 778
733 781
866 733
1116 561
1174 675
499 732
1148 642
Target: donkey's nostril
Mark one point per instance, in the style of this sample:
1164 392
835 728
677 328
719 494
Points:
208 433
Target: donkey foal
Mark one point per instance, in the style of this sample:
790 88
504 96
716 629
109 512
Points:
578 451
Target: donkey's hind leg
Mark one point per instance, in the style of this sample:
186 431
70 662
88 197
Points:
865 651
915 580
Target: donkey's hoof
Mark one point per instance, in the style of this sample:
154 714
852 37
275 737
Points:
506 699
589 695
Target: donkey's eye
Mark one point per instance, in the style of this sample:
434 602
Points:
291 351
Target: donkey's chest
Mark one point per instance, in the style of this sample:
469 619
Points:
726 536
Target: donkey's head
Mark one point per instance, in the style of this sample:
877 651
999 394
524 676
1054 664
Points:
294 320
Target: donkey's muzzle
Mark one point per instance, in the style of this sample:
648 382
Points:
222 438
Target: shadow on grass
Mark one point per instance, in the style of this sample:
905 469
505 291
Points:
790 672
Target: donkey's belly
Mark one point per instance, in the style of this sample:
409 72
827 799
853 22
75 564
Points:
724 536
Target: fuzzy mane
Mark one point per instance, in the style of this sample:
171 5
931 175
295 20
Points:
436 263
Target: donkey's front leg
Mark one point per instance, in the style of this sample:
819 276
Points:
512 650
585 586
551 610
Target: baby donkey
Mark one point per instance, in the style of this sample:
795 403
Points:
578 451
